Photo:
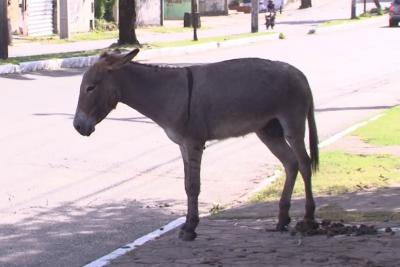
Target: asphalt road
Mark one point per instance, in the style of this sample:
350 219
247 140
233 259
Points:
66 200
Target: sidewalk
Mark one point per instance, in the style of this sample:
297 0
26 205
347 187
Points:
235 23
244 236
293 23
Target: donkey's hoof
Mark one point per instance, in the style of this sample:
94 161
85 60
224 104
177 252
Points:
282 224
281 227
307 226
187 235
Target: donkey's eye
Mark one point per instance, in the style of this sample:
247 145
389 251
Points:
90 88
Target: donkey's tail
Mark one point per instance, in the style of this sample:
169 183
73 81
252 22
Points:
313 138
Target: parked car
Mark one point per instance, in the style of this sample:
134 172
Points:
394 13
262 5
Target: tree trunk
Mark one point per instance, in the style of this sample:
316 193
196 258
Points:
305 4
378 4
127 22
3 30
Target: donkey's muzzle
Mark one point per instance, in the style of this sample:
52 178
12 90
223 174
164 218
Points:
83 124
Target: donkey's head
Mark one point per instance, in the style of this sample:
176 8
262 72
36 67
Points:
98 92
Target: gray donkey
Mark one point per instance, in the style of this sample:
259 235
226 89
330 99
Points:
213 101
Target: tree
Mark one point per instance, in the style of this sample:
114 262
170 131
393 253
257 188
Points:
4 36
127 22
378 4
305 4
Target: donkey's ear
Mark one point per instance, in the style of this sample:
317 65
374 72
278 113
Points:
128 57
118 61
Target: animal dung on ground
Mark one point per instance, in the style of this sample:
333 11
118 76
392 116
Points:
328 228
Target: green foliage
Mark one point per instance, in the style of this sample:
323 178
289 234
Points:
216 208
342 173
103 25
108 13
103 9
384 131
99 9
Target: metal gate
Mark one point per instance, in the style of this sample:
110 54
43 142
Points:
40 17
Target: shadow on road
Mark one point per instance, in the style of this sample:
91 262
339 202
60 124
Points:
379 201
73 236
71 117
50 73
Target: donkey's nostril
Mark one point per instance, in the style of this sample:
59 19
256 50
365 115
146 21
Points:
78 127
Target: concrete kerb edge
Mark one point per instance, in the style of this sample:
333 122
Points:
81 62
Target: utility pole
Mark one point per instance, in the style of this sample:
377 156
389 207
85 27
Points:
254 15
353 9
4 36
64 20
194 19
365 6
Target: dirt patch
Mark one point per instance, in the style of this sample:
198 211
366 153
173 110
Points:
247 243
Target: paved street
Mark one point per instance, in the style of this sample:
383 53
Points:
66 200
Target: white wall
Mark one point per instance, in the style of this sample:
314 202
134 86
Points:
148 12
80 15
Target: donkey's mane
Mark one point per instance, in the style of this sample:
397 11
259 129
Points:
156 66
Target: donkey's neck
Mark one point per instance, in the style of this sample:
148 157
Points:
160 93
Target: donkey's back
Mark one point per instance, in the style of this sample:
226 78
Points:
236 97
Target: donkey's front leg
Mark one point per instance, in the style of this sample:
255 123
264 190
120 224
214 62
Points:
191 154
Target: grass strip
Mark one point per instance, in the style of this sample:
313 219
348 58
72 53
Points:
341 173
362 17
385 131
155 45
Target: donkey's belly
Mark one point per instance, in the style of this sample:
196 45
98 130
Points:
236 128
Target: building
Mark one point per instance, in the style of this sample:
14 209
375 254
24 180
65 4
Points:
42 17
148 12
213 7
175 9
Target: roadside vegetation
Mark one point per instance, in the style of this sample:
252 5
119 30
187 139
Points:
155 45
384 131
98 34
374 13
341 172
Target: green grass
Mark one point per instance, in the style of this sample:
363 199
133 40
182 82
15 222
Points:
94 36
206 40
346 21
17 60
97 35
342 173
164 29
384 131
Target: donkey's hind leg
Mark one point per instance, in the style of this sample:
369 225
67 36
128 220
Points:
272 136
294 134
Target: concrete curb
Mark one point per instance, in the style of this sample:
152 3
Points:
81 62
